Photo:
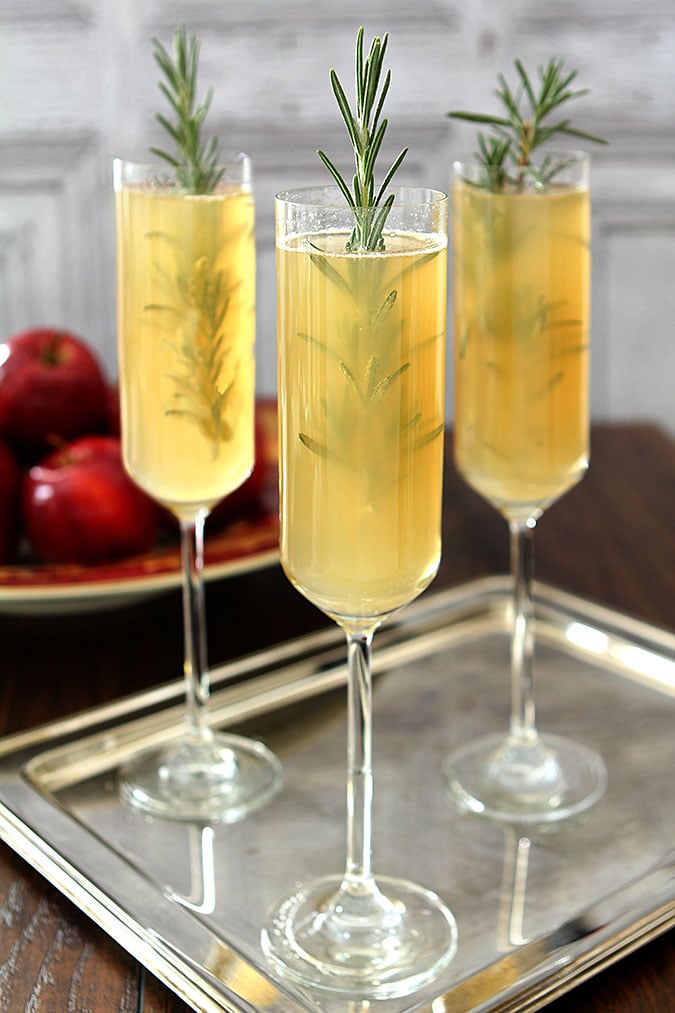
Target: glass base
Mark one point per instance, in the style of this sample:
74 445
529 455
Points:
215 778
502 778
380 941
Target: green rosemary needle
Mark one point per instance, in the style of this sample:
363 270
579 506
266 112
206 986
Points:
366 132
195 161
525 126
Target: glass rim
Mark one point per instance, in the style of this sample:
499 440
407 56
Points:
577 156
299 197
230 159
235 169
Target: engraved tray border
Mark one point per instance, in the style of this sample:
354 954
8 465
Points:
38 765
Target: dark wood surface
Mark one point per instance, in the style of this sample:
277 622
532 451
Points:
612 539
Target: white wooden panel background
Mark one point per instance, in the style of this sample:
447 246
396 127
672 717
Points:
78 86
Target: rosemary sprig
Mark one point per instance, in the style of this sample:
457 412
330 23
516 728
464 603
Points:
195 161
192 310
366 132
522 128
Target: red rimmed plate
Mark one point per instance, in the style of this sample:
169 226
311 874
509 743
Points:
247 543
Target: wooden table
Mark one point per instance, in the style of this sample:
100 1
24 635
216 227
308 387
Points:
611 539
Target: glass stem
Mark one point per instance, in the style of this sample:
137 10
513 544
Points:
523 725
194 625
359 761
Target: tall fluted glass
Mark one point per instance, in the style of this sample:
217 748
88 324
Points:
361 416
521 295
186 332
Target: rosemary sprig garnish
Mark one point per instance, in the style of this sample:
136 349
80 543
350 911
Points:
195 161
366 132
521 129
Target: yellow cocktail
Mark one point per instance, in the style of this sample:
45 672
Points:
521 322
362 351
521 296
361 324
187 331
361 288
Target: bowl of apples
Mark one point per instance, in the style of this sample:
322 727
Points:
75 531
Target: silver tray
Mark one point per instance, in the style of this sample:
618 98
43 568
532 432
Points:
538 911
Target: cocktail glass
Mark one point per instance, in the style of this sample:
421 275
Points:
522 256
361 415
186 328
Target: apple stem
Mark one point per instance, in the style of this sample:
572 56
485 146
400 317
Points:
52 353
56 442
195 667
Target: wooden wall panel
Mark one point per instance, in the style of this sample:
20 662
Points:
634 366
53 216
633 363
78 86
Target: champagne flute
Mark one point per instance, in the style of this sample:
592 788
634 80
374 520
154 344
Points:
186 328
361 414
521 317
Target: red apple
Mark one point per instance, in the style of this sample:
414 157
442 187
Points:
112 409
80 506
263 476
10 485
51 385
